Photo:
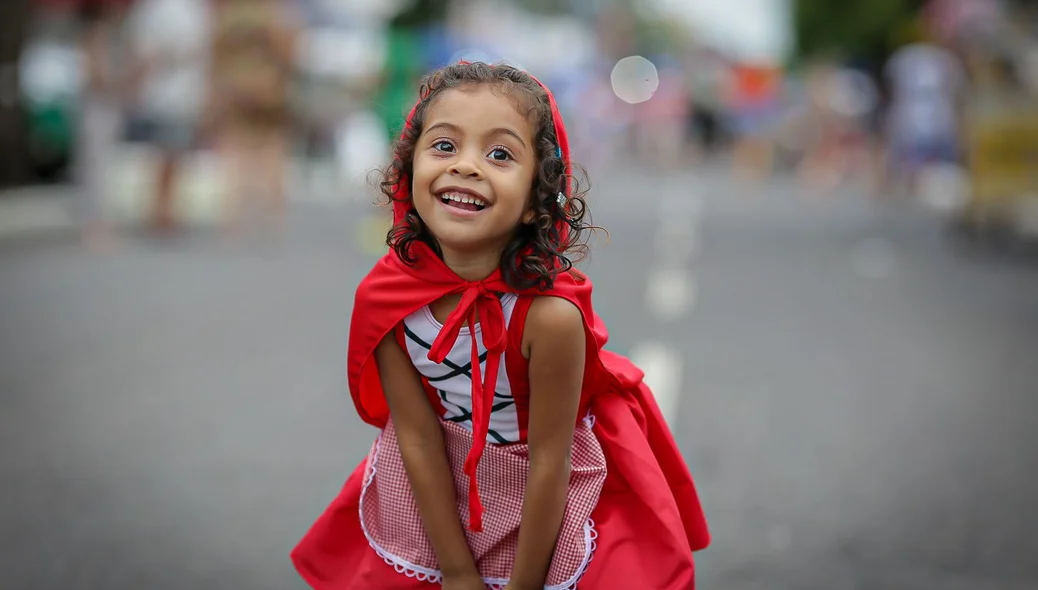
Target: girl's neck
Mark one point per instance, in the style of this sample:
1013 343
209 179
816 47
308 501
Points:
472 266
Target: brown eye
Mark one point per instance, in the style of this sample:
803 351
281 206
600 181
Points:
500 155
443 146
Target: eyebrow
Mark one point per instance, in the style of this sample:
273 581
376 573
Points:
495 131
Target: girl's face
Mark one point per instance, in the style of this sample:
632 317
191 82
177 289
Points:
474 167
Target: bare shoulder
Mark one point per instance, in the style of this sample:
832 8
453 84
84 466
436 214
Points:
554 313
552 322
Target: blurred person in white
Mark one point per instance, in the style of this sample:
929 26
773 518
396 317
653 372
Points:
99 123
927 86
840 101
254 49
171 38
663 120
706 78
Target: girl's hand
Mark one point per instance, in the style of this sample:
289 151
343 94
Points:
466 582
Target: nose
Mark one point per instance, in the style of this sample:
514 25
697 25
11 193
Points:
466 166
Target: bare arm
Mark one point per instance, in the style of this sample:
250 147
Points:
555 338
425 458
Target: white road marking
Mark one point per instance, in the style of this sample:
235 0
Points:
670 294
682 204
677 247
663 372
678 236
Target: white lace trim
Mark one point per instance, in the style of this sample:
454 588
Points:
435 576
401 565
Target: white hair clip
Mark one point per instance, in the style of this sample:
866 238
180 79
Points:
561 199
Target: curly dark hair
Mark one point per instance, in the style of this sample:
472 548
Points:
538 251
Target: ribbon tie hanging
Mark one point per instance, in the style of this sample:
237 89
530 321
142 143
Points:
478 303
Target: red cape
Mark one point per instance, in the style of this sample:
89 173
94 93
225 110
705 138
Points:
613 389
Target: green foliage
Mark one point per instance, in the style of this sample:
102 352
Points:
420 13
659 36
548 7
867 29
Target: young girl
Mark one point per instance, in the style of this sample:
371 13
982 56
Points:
514 451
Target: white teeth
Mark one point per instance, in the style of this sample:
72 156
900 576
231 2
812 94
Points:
462 198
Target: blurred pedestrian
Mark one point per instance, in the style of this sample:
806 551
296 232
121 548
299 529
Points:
706 78
662 121
754 109
254 52
838 146
100 115
924 118
171 38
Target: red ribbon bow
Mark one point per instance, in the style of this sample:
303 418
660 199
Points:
477 303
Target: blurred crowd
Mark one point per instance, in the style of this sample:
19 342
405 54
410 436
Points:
179 75
260 82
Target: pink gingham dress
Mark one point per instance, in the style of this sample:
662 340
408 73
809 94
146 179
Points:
393 527
389 515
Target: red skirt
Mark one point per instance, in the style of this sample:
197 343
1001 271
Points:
646 523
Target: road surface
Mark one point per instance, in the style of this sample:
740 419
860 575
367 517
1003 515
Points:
857 399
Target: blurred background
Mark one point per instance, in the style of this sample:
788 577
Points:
822 223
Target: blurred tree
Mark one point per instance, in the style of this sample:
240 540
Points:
405 61
580 8
14 164
420 13
552 7
660 35
863 29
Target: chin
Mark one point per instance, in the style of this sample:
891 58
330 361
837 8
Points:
468 243
462 244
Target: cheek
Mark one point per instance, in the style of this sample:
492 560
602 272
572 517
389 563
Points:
420 176
421 181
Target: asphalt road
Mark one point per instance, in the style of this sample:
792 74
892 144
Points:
856 398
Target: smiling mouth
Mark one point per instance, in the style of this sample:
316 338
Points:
463 201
